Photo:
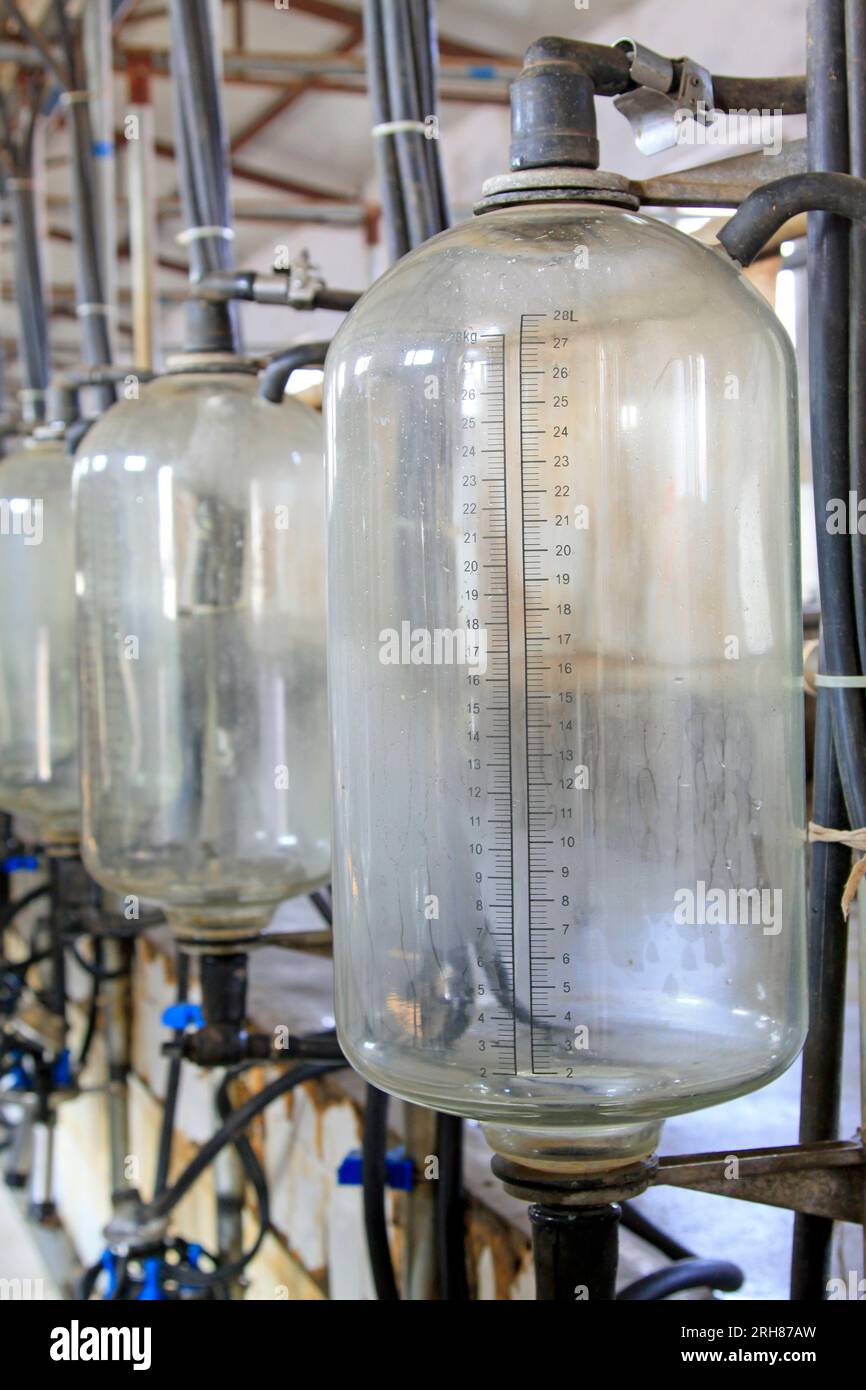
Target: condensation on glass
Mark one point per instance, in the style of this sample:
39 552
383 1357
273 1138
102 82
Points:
201 614
38 658
565 674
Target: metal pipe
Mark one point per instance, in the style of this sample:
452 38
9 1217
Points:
420 1280
20 1156
117 1014
29 293
42 1206
202 146
96 23
256 288
141 188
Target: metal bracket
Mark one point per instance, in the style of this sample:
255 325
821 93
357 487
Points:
826 1179
723 183
665 90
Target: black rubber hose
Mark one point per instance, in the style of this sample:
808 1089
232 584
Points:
610 71
92 1009
402 78
450 1210
829 338
322 902
769 207
785 94
93 968
685 1274
829 362
340 300
255 1175
11 910
435 157
162 1205
641 1226
855 44
821 1084
172 1086
374 1152
275 376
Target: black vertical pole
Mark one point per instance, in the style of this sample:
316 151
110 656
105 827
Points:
575 1252
840 745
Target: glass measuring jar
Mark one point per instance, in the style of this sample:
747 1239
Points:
201 611
564 650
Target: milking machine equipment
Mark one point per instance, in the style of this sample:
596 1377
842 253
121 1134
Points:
38 737
201 619
567 825
569 820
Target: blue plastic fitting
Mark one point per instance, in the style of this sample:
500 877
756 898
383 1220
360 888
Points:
181 1016
399 1170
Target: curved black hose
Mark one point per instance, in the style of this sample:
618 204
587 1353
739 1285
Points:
275 376
255 1175
374 1171
450 1209
769 207
92 1010
685 1274
162 1205
93 968
11 910
641 1226
172 1086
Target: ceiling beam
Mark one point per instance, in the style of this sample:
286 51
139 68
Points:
287 100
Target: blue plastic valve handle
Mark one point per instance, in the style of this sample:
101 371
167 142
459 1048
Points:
180 1016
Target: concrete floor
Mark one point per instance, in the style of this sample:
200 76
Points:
24 1272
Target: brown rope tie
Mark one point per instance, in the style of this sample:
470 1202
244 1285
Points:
854 839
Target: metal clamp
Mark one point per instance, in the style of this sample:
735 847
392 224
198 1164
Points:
305 282
665 90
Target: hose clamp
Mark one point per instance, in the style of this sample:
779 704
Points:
666 90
